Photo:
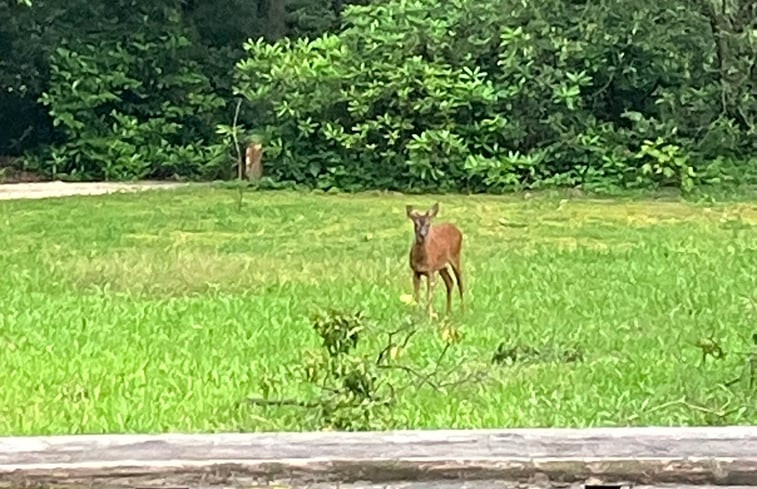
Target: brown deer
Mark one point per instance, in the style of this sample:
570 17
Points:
433 249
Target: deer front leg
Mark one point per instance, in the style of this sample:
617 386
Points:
430 283
416 286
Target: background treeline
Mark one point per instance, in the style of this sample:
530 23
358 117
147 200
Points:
478 95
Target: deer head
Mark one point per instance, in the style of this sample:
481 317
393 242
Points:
422 221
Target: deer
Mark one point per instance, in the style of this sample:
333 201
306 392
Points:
434 248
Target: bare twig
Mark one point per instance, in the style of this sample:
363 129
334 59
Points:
722 413
236 140
259 401
475 376
422 378
441 356
437 364
391 344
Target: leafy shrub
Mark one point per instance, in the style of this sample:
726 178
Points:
132 110
357 390
493 95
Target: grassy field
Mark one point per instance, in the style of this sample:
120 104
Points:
164 310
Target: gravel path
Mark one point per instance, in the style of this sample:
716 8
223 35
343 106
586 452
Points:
41 190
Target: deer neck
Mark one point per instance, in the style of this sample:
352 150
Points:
419 252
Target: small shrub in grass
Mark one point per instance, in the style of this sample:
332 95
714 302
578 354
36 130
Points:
358 390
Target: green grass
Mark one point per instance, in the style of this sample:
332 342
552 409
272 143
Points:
162 311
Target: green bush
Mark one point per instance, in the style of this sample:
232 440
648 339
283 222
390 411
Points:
32 30
493 95
132 110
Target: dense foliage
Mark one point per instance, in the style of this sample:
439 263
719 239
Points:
498 94
132 110
88 85
480 95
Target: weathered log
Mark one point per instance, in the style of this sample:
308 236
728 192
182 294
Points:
698 456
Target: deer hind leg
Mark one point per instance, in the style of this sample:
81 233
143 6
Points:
458 270
449 284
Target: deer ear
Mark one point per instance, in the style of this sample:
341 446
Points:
434 210
410 211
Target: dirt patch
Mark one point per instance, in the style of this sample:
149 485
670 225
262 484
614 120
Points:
41 190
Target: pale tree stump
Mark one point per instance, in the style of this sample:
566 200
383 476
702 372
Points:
252 166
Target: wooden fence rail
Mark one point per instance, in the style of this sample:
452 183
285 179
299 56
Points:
698 456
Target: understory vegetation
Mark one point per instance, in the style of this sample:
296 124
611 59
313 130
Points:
212 309
412 95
